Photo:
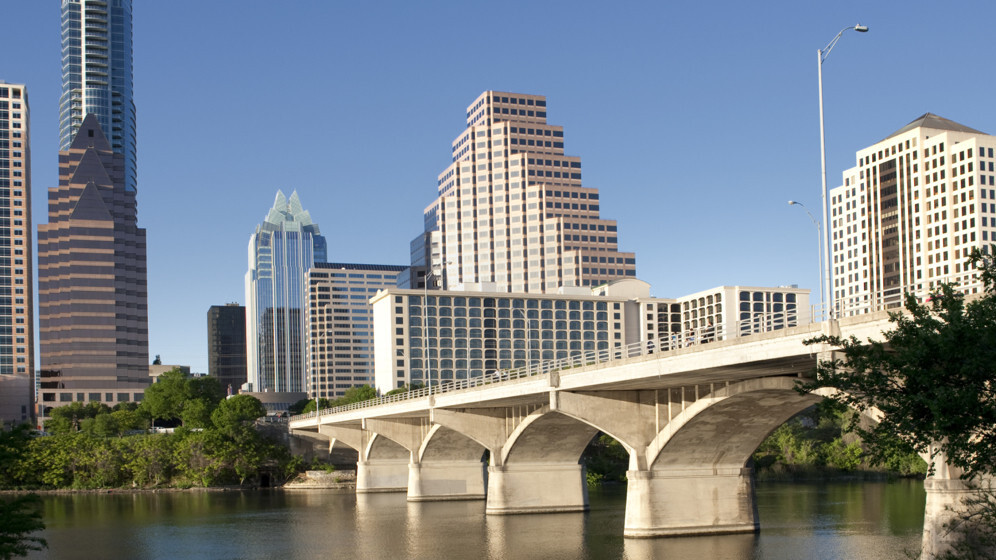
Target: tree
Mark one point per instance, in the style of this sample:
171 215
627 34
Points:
177 396
357 393
70 418
237 411
13 445
933 377
19 518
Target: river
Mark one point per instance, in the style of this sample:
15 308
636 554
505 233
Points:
837 520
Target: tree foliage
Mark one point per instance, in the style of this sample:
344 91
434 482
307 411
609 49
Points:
177 396
20 518
933 376
235 412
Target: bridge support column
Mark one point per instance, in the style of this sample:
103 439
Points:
680 502
945 503
446 480
382 475
536 488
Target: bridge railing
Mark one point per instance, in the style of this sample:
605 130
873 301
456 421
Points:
758 322
686 339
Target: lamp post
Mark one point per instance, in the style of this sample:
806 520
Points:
822 55
819 246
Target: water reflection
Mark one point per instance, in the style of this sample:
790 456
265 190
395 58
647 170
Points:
876 521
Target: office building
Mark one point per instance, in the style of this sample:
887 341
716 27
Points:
226 331
97 76
281 251
909 213
511 213
458 335
17 354
340 325
92 287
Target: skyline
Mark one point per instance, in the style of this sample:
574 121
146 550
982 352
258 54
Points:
725 103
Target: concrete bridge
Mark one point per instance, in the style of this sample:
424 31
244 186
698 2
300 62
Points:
690 417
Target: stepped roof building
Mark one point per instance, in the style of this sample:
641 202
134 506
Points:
92 286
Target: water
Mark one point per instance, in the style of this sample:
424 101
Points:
873 521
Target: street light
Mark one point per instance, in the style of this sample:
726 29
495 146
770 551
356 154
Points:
819 246
822 55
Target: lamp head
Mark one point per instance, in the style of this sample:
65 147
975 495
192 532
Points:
861 28
791 202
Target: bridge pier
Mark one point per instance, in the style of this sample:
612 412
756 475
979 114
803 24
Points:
381 475
446 480
690 501
536 488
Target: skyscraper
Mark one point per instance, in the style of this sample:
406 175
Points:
16 292
911 211
340 334
226 328
17 354
92 288
281 251
97 75
511 213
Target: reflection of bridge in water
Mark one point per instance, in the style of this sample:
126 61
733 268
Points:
690 414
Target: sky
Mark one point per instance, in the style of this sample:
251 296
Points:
697 122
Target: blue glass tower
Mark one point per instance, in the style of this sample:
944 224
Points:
97 75
281 251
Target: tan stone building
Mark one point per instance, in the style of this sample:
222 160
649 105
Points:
910 211
511 213
17 353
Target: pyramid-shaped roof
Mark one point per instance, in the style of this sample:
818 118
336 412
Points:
90 205
90 135
930 120
90 169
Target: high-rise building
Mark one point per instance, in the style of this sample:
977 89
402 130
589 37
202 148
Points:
16 291
92 286
281 251
910 212
511 213
97 75
340 325
226 330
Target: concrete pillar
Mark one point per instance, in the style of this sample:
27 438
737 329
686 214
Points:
536 488
690 501
945 502
382 475
446 480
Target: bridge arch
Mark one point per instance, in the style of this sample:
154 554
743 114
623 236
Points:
445 444
547 436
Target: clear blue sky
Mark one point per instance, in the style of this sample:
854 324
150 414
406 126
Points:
696 120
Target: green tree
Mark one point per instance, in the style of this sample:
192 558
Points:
13 445
234 412
20 518
177 396
357 393
69 418
932 377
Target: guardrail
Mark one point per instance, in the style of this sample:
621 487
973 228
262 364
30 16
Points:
756 324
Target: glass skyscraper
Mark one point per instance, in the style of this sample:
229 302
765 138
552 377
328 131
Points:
97 75
281 251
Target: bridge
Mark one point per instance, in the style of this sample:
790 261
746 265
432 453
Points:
689 413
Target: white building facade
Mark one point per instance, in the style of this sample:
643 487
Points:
909 213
